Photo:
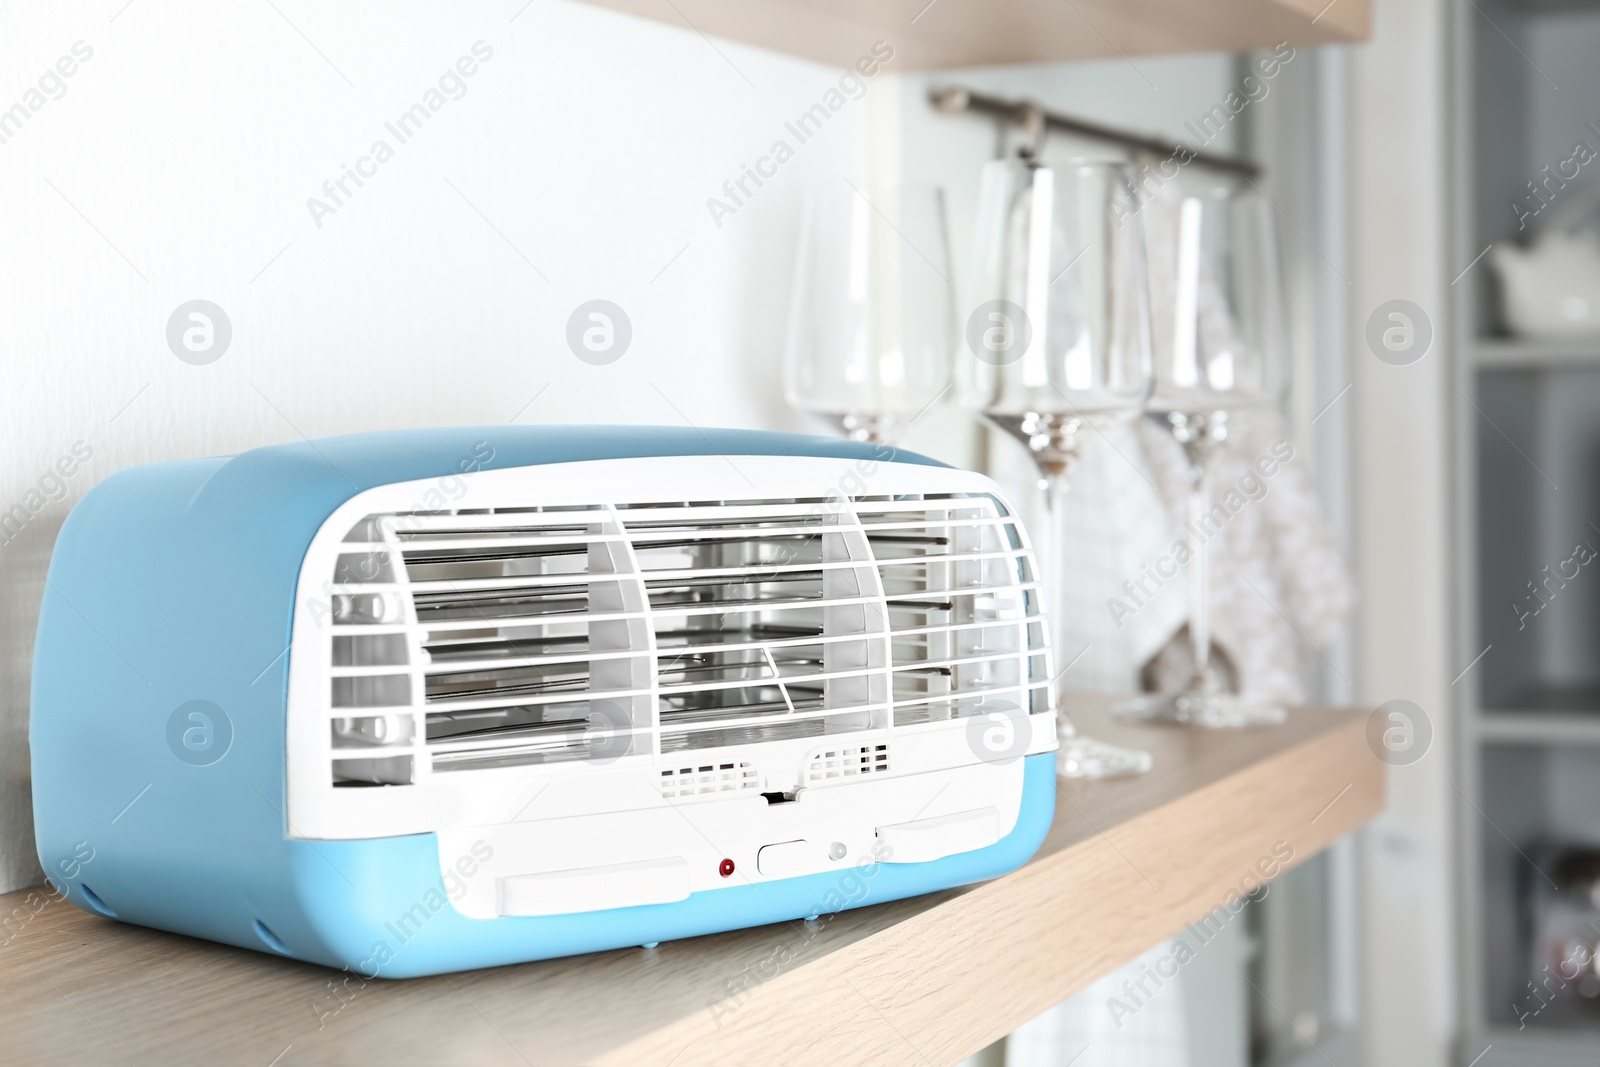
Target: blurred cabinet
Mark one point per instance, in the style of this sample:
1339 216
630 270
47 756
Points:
1527 417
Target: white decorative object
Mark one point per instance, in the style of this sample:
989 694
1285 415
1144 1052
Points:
1551 287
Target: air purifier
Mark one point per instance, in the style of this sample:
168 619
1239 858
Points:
415 702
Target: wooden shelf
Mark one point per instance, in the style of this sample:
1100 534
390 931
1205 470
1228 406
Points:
933 979
1510 353
978 33
1510 1047
1540 727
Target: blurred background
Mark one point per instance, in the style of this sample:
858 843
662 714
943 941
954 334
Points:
230 225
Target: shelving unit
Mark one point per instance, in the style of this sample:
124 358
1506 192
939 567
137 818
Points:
1527 438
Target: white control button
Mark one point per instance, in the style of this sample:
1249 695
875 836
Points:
786 857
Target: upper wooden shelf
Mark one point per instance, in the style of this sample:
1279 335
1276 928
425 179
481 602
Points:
980 33
1126 864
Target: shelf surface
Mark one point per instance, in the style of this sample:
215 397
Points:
1540 726
1517 353
1510 1047
928 980
1550 698
970 33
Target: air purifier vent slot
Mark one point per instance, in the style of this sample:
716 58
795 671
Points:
520 636
848 762
708 779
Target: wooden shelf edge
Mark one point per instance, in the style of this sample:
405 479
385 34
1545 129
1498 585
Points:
964 33
1538 727
1573 1046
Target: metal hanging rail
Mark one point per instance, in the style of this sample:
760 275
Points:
955 100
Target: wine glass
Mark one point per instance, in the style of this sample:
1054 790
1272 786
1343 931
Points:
1059 338
871 320
1220 349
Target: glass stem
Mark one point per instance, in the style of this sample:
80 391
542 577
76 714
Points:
1199 456
1053 481
1053 485
1055 498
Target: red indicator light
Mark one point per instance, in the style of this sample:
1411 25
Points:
725 868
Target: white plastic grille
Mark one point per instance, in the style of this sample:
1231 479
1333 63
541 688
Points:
709 778
848 761
510 637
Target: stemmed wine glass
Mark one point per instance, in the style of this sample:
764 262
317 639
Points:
1059 336
871 322
1220 350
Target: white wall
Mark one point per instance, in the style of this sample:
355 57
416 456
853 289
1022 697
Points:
191 140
